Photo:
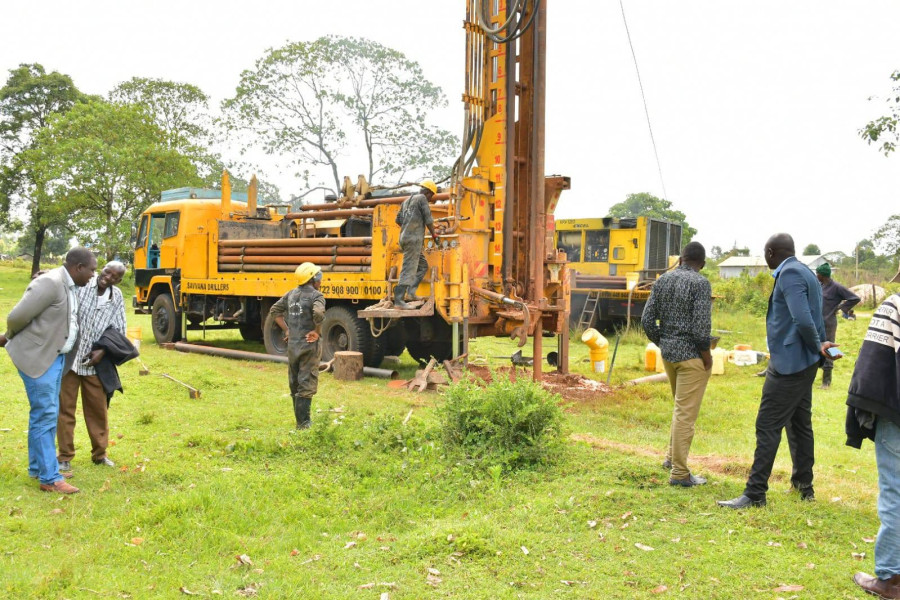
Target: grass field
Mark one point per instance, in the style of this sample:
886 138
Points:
363 505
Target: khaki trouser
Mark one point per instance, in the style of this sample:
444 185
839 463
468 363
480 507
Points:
93 404
688 379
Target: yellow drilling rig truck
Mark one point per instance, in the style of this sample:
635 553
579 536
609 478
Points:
207 258
613 264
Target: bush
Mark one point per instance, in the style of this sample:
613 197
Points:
747 294
513 425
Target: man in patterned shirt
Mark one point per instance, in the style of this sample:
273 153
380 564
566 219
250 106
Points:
100 305
681 301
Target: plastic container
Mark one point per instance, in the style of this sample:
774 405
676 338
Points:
134 336
650 357
599 349
742 358
653 358
719 357
742 347
631 280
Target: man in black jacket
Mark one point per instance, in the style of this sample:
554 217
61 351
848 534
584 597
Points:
873 411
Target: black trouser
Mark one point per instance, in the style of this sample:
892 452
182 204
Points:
830 334
786 404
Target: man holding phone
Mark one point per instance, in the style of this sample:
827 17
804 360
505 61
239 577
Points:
795 333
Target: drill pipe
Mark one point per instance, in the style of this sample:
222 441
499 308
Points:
296 242
371 202
289 269
295 260
340 213
258 356
310 251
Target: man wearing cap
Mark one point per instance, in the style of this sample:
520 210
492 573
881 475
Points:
873 412
413 218
299 314
835 297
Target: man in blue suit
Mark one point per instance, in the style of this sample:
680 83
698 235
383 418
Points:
795 333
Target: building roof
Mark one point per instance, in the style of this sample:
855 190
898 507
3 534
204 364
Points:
808 259
744 261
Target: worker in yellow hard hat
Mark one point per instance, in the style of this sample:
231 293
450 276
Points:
413 218
299 314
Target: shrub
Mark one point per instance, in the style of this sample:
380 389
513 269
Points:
747 294
510 424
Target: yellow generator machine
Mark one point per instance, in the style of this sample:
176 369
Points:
217 261
613 263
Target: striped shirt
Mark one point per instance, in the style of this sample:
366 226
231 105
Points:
94 317
72 292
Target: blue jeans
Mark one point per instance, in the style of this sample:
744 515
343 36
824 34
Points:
43 395
887 457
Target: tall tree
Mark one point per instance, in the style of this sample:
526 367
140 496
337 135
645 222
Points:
648 205
102 164
884 129
887 237
811 249
28 100
318 102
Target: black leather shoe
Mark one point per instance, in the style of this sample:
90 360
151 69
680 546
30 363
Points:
741 502
807 493
667 465
691 481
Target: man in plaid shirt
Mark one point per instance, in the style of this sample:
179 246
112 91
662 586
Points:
100 305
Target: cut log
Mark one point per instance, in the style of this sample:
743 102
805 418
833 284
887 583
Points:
348 365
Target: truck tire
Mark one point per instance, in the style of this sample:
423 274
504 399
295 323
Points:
422 351
165 320
427 338
394 341
343 330
273 337
251 330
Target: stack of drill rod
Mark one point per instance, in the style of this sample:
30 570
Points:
264 255
599 282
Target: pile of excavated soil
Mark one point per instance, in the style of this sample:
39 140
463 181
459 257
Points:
571 386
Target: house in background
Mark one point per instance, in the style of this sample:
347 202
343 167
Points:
738 265
812 260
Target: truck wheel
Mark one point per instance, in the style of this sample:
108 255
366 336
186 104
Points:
273 337
422 352
427 338
166 320
251 332
343 330
394 341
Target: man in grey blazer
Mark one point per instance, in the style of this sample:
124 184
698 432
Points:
40 332
795 333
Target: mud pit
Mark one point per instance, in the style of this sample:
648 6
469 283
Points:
571 386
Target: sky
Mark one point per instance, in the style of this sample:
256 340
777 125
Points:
755 106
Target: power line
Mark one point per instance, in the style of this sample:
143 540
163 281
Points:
644 98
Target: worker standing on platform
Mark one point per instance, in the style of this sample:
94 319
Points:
305 310
413 218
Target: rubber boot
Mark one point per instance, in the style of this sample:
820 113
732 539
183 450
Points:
399 293
301 412
411 295
826 379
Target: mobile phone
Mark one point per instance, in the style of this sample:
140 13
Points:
834 352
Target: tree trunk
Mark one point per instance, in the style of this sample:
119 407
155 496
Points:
38 246
348 365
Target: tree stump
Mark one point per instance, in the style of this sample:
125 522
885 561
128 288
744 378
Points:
348 365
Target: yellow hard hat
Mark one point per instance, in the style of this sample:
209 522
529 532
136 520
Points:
306 271
428 184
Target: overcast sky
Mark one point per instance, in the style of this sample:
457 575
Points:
755 106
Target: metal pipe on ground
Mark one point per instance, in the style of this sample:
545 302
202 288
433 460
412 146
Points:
658 378
260 357
295 260
289 269
296 242
308 251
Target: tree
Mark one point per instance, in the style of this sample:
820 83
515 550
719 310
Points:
811 249
647 205
884 129
28 101
100 165
887 237
318 102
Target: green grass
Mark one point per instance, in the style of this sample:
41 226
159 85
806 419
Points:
362 498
